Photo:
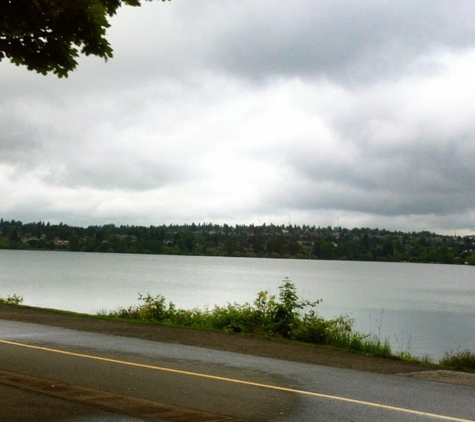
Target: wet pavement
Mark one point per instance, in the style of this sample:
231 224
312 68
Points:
96 377
22 405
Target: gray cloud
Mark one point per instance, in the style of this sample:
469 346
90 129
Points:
347 42
253 112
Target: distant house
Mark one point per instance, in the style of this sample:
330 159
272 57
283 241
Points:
61 243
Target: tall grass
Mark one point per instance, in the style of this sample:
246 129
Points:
285 316
462 360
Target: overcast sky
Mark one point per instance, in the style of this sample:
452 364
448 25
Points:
359 113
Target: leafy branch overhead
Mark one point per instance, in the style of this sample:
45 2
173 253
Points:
48 35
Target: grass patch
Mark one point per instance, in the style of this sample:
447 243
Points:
422 360
463 360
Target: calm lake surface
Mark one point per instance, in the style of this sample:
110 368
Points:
422 309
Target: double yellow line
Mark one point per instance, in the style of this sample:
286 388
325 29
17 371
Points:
236 381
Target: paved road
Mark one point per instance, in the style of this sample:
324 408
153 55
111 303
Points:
107 376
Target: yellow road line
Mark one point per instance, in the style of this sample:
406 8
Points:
242 382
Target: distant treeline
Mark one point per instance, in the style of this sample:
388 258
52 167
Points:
269 241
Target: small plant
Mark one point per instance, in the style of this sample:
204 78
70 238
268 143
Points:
11 300
283 317
288 312
462 359
153 309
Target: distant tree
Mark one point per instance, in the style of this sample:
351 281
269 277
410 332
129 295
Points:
74 242
231 246
48 35
186 242
323 249
13 235
274 245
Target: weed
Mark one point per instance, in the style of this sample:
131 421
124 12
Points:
460 359
153 308
11 300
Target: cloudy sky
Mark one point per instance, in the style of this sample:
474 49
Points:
359 113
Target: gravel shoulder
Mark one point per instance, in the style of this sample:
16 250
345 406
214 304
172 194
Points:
214 340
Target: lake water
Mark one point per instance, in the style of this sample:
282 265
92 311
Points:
422 309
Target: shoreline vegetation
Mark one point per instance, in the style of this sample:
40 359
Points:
280 318
263 241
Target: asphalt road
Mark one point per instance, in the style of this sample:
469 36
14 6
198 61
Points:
84 376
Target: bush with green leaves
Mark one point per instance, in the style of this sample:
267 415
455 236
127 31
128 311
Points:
153 308
11 300
282 317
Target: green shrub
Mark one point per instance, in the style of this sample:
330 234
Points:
194 318
153 309
11 300
283 317
312 330
235 318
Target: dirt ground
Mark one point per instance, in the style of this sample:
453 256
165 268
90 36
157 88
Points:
214 340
